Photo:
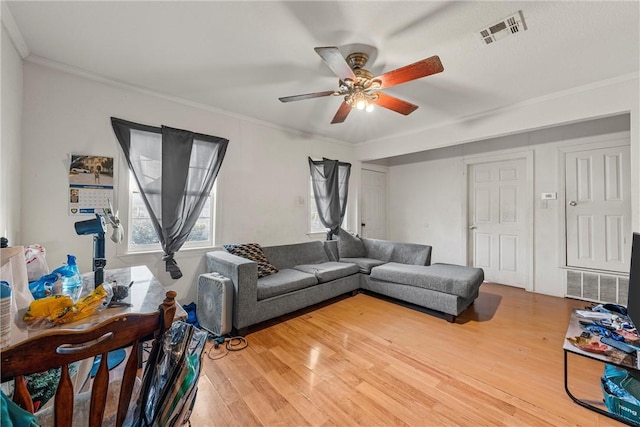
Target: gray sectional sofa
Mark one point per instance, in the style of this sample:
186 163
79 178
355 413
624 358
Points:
312 272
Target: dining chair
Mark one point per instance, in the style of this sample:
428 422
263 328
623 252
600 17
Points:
62 347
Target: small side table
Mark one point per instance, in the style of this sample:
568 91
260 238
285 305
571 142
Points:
613 356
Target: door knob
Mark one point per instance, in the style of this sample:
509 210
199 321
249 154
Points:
572 203
473 227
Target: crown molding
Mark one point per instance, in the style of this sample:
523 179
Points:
14 33
532 101
69 69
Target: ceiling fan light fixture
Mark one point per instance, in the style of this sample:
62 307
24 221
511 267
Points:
361 90
361 100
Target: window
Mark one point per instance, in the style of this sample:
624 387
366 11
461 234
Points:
315 226
143 237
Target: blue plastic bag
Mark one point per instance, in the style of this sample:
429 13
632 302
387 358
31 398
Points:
191 314
13 415
43 287
70 278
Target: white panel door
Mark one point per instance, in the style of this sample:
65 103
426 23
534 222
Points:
498 221
598 210
373 206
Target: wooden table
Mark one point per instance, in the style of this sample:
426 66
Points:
612 356
145 295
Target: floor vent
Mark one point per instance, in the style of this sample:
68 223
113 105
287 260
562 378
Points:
597 287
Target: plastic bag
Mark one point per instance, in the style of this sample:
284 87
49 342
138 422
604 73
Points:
70 279
17 279
14 415
36 262
170 380
43 287
60 309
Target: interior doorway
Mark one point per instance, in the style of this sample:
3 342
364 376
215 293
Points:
598 208
373 204
499 220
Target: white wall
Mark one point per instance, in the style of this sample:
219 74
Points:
10 144
427 193
262 180
602 99
265 173
537 125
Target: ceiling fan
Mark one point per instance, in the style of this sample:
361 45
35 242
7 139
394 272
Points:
360 89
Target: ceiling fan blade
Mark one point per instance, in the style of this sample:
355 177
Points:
342 113
414 71
334 60
306 96
394 104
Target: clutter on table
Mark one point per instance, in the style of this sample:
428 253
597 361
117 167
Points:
59 309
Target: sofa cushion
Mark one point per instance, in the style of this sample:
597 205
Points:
331 248
328 271
364 264
254 252
402 253
378 249
349 246
288 256
411 253
448 278
283 282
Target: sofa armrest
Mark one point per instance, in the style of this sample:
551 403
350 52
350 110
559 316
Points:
244 275
400 252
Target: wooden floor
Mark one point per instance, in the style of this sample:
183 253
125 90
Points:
364 360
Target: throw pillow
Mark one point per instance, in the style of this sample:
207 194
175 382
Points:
254 252
350 246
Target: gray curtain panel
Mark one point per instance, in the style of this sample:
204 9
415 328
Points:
330 180
175 170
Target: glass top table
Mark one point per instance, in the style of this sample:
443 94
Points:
145 296
630 362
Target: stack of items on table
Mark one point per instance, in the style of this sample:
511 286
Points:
620 387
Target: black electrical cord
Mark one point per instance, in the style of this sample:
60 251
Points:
223 346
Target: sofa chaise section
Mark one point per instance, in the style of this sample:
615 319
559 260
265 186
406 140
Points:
446 288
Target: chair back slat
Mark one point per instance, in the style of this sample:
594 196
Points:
21 395
99 392
61 347
128 379
64 399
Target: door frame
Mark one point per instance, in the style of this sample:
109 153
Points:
385 171
618 139
470 161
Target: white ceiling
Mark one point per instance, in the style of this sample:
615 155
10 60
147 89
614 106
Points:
242 56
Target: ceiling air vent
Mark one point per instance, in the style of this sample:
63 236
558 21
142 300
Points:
512 24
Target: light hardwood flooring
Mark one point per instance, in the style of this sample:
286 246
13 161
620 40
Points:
363 360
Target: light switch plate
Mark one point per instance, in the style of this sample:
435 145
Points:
549 196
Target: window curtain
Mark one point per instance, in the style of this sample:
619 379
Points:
330 180
175 170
